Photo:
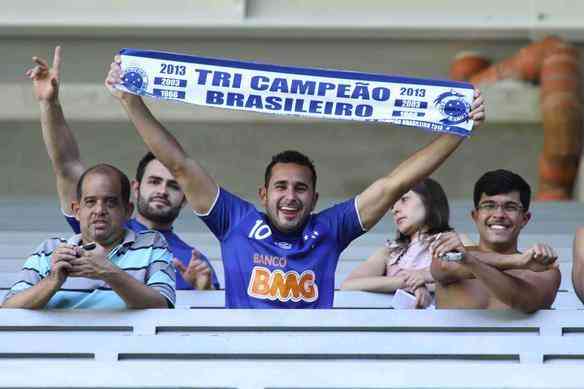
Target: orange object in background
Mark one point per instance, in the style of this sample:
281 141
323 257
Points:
466 64
561 107
556 65
525 65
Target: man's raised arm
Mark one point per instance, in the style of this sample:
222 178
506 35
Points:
376 200
199 188
58 137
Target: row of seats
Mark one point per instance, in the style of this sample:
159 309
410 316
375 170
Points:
264 348
360 343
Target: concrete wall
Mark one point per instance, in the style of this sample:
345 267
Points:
410 39
348 156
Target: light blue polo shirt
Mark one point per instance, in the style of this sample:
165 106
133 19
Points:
143 255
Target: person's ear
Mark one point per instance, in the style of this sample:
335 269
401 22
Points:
135 189
129 210
263 195
316 197
75 207
526 218
474 214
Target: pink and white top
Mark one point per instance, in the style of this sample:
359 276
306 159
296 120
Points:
415 255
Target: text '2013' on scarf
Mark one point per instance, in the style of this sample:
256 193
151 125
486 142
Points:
433 105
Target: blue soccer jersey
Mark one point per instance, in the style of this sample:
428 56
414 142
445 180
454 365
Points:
179 249
265 268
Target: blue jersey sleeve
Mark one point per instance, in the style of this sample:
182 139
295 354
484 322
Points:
344 221
73 223
226 213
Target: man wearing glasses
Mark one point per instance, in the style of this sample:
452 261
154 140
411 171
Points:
494 274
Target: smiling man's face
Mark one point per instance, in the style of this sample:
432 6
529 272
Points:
289 197
499 220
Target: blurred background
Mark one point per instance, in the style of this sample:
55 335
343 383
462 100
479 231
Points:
418 39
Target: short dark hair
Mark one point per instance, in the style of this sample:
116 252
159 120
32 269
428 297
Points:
108 170
290 156
436 205
142 165
502 181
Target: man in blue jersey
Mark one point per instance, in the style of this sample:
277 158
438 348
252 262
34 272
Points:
159 199
287 256
107 265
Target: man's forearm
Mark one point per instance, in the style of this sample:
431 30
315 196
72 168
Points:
447 273
509 290
424 162
454 272
199 188
61 144
498 261
135 294
379 197
35 297
63 151
161 142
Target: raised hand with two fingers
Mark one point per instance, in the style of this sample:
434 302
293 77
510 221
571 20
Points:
46 79
197 273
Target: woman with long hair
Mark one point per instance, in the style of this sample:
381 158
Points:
404 263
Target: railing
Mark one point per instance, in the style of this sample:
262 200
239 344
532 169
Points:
300 349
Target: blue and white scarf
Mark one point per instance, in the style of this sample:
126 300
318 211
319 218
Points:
433 105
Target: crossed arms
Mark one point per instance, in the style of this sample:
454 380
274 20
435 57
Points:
524 281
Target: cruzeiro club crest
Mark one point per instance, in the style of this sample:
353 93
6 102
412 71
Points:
453 106
135 79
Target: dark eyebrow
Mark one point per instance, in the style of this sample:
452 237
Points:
507 203
152 176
